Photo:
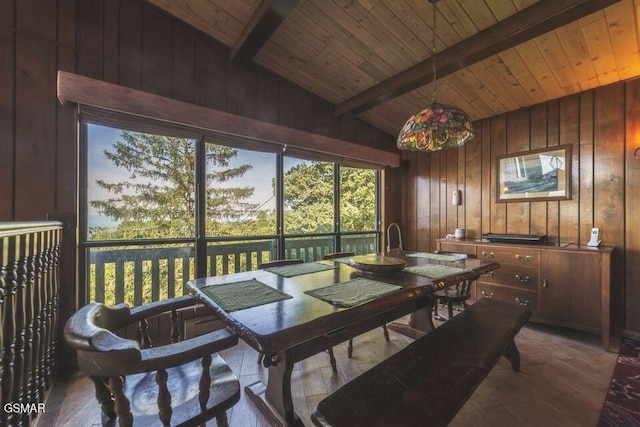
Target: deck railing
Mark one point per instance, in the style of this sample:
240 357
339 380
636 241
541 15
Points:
141 275
29 291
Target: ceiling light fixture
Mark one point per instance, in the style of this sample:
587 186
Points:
438 126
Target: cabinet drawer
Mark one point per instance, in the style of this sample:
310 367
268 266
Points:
459 248
505 293
523 276
511 255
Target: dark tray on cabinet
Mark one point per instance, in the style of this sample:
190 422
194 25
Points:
515 238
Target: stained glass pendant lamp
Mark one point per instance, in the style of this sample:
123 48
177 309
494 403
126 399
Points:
438 126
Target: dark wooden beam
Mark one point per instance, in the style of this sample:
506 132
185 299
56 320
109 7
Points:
532 22
264 22
86 91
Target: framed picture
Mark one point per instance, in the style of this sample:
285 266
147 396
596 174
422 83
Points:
536 175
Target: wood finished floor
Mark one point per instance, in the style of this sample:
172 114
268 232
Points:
563 381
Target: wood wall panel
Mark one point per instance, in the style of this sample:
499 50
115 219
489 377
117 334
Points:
632 202
603 128
569 134
130 54
7 87
66 117
586 166
35 127
609 189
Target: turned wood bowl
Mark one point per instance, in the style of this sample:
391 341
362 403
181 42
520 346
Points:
376 264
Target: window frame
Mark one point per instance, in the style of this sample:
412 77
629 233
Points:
201 241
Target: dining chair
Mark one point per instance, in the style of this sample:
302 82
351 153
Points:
283 262
183 382
458 294
279 263
384 327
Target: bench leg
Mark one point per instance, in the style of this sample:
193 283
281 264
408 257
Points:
513 355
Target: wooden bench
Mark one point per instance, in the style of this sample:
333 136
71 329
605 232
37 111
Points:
427 382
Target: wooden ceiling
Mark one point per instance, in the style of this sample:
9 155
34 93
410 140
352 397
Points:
373 57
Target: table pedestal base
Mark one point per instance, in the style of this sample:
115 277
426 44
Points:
420 323
257 394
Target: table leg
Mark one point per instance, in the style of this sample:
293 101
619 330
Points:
420 322
274 399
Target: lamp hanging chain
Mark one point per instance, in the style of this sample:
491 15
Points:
433 53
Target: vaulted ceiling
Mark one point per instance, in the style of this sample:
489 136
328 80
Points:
373 57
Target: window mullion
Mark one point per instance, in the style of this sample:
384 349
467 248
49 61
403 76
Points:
201 207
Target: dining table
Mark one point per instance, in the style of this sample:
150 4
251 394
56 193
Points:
291 313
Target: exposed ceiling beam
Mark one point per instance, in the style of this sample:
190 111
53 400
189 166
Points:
264 22
531 22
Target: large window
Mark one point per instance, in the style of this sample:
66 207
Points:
160 208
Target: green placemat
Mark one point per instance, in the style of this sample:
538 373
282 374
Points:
353 292
240 295
438 257
435 271
299 269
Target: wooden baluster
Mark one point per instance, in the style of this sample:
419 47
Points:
44 328
19 386
164 397
48 332
31 350
122 406
205 382
143 334
175 330
4 301
9 309
53 310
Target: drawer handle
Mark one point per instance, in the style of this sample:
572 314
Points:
523 279
525 302
545 284
488 255
484 294
489 274
525 258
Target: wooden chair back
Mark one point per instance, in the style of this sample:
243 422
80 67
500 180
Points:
279 263
335 255
156 377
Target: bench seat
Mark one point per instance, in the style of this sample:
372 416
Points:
428 382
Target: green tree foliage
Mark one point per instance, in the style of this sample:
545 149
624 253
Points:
357 199
308 198
157 199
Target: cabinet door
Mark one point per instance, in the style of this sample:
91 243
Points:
570 288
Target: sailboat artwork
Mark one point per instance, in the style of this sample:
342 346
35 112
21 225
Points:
535 175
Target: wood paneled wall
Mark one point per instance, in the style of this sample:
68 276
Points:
133 44
603 127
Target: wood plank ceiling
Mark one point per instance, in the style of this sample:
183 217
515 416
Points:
346 50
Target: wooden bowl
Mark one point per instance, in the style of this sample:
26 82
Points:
376 264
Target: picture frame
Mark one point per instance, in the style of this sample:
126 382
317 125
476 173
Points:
536 175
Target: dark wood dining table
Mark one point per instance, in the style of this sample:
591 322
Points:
290 330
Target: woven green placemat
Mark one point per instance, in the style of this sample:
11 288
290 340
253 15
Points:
299 269
438 257
353 292
435 271
240 295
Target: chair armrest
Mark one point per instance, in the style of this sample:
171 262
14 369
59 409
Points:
159 307
186 351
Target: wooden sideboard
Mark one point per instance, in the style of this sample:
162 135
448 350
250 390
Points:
563 284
